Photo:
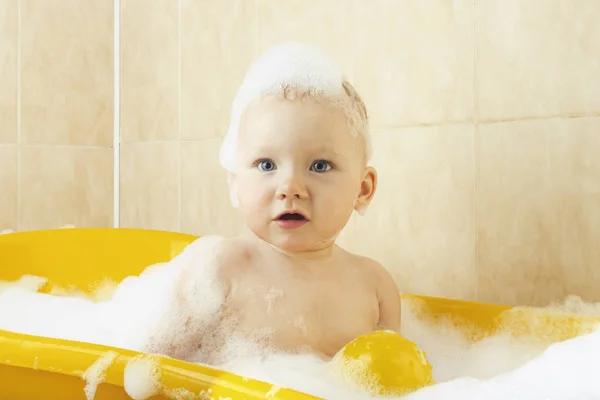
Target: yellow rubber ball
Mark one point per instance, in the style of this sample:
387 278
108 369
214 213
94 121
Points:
385 364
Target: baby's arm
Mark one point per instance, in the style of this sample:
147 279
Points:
389 301
195 303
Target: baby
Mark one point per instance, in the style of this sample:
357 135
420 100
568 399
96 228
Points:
297 152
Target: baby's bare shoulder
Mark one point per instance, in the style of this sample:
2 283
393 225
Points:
374 271
386 283
214 254
212 246
377 269
366 266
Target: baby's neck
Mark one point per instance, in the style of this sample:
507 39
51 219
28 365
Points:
322 253
318 254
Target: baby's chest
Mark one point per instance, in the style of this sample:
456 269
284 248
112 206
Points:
319 299
299 314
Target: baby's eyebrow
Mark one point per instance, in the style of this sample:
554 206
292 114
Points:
255 152
326 152
265 149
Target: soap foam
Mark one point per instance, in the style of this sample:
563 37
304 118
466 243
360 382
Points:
142 378
289 69
172 300
96 374
28 282
498 367
139 304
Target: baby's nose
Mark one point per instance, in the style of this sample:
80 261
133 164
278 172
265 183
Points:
292 188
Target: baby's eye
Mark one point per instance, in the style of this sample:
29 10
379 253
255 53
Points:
266 165
320 166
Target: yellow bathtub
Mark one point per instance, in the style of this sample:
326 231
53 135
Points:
34 367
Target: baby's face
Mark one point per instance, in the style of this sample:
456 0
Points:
300 173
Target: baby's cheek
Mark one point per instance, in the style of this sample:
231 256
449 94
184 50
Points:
334 218
253 194
255 207
342 203
233 195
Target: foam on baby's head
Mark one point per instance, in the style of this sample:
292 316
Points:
295 70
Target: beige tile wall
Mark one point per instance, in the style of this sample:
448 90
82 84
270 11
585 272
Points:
56 114
8 115
486 120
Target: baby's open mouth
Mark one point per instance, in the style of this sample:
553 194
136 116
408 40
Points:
292 217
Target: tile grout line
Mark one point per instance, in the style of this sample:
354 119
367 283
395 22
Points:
179 146
65 146
476 156
116 113
256 28
19 135
541 117
355 40
476 120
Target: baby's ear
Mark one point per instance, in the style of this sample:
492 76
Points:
368 187
233 192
